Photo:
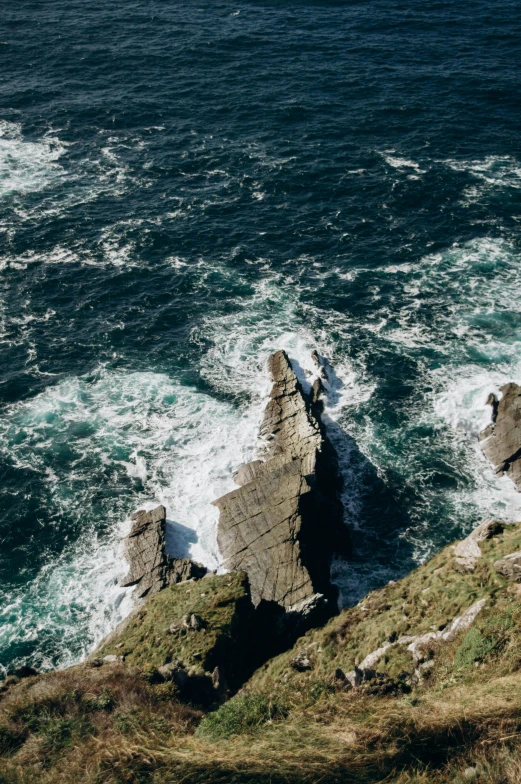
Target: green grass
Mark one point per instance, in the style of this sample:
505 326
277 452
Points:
115 725
221 601
240 715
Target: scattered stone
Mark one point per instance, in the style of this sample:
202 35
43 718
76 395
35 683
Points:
501 440
470 773
284 522
372 659
355 677
196 623
183 569
459 624
220 684
111 658
301 663
510 566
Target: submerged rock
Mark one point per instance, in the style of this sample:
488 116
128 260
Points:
501 440
151 569
283 524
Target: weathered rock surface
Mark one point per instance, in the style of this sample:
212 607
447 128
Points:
284 522
415 644
501 440
468 550
151 569
510 566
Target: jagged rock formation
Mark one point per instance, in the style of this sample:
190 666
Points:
501 440
151 569
282 525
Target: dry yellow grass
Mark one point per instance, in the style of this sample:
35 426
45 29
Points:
113 726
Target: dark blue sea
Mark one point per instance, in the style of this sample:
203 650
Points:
188 185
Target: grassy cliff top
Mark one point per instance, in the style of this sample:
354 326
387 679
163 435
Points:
452 714
159 631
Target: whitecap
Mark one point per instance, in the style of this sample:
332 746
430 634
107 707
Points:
27 166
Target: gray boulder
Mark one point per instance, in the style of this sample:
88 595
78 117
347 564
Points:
510 566
283 524
501 440
468 550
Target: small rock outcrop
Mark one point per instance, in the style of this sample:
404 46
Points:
467 552
501 440
151 569
284 522
510 566
202 640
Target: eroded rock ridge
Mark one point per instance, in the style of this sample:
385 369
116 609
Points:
285 520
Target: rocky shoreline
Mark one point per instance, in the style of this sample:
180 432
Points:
260 657
278 532
281 526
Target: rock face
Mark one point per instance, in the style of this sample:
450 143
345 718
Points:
151 569
284 522
501 440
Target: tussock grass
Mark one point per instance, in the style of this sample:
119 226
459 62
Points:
112 725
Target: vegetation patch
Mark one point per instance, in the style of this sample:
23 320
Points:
159 632
241 714
117 724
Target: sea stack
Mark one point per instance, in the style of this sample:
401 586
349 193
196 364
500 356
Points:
150 567
501 440
285 521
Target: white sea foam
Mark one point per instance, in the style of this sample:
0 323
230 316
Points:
179 444
27 166
476 335
182 444
401 163
493 173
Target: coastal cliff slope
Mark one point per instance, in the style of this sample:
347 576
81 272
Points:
420 683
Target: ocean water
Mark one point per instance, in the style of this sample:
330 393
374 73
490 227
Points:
186 186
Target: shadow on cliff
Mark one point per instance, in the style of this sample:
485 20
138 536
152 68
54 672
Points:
178 538
375 511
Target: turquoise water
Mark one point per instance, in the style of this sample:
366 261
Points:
185 187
